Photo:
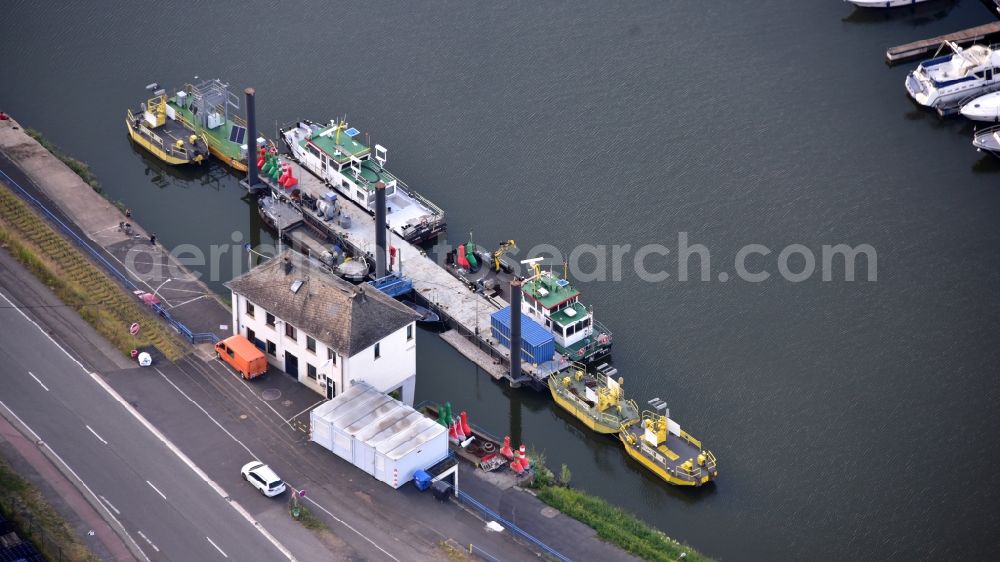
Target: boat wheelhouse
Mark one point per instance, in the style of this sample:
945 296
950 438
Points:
155 129
659 444
211 110
555 304
950 79
594 397
333 154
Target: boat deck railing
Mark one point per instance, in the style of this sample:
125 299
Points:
437 214
988 130
953 108
169 148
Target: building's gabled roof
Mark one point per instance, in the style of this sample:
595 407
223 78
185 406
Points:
336 313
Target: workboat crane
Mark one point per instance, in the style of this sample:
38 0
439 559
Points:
499 253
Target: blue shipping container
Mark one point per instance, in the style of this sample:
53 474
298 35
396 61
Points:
537 344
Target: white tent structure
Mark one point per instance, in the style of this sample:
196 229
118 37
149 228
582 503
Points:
378 434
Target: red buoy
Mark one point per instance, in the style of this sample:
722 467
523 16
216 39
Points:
505 450
465 425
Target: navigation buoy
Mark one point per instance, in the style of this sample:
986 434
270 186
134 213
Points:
505 450
290 179
465 424
285 171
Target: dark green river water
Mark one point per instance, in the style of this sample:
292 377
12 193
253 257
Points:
852 420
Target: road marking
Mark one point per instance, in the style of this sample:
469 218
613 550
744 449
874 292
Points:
304 411
40 444
312 501
38 381
44 333
217 547
156 433
191 465
155 488
111 505
257 396
191 400
187 301
149 541
177 452
344 523
101 439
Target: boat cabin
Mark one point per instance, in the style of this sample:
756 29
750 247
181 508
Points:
555 304
350 161
977 62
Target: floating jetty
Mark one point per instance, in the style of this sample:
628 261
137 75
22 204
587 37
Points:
917 48
353 229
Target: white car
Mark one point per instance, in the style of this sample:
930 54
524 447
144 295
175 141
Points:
260 476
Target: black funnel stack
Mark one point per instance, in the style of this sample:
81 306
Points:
252 179
515 330
380 245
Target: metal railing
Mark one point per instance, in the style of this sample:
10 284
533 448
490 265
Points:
476 551
462 496
192 337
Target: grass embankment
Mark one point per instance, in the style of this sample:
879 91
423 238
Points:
23 504
77 282
81 168
613 524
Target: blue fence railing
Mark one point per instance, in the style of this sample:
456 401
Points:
513 528
192 337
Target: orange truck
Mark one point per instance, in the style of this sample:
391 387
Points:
243 356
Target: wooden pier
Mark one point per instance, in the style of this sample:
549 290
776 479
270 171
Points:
917 48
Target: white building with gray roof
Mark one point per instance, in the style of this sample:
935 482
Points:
324 331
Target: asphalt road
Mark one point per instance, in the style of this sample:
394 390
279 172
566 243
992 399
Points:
167 509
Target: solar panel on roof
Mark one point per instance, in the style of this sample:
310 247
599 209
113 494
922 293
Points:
352 132
237 134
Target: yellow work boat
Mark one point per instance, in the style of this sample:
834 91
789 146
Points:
595 398
660 445
163 136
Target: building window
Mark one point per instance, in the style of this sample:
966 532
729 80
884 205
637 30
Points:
251 335
310 371
272 349
311 344
409 332
269 319
291 332
378 353
331 356
250 309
